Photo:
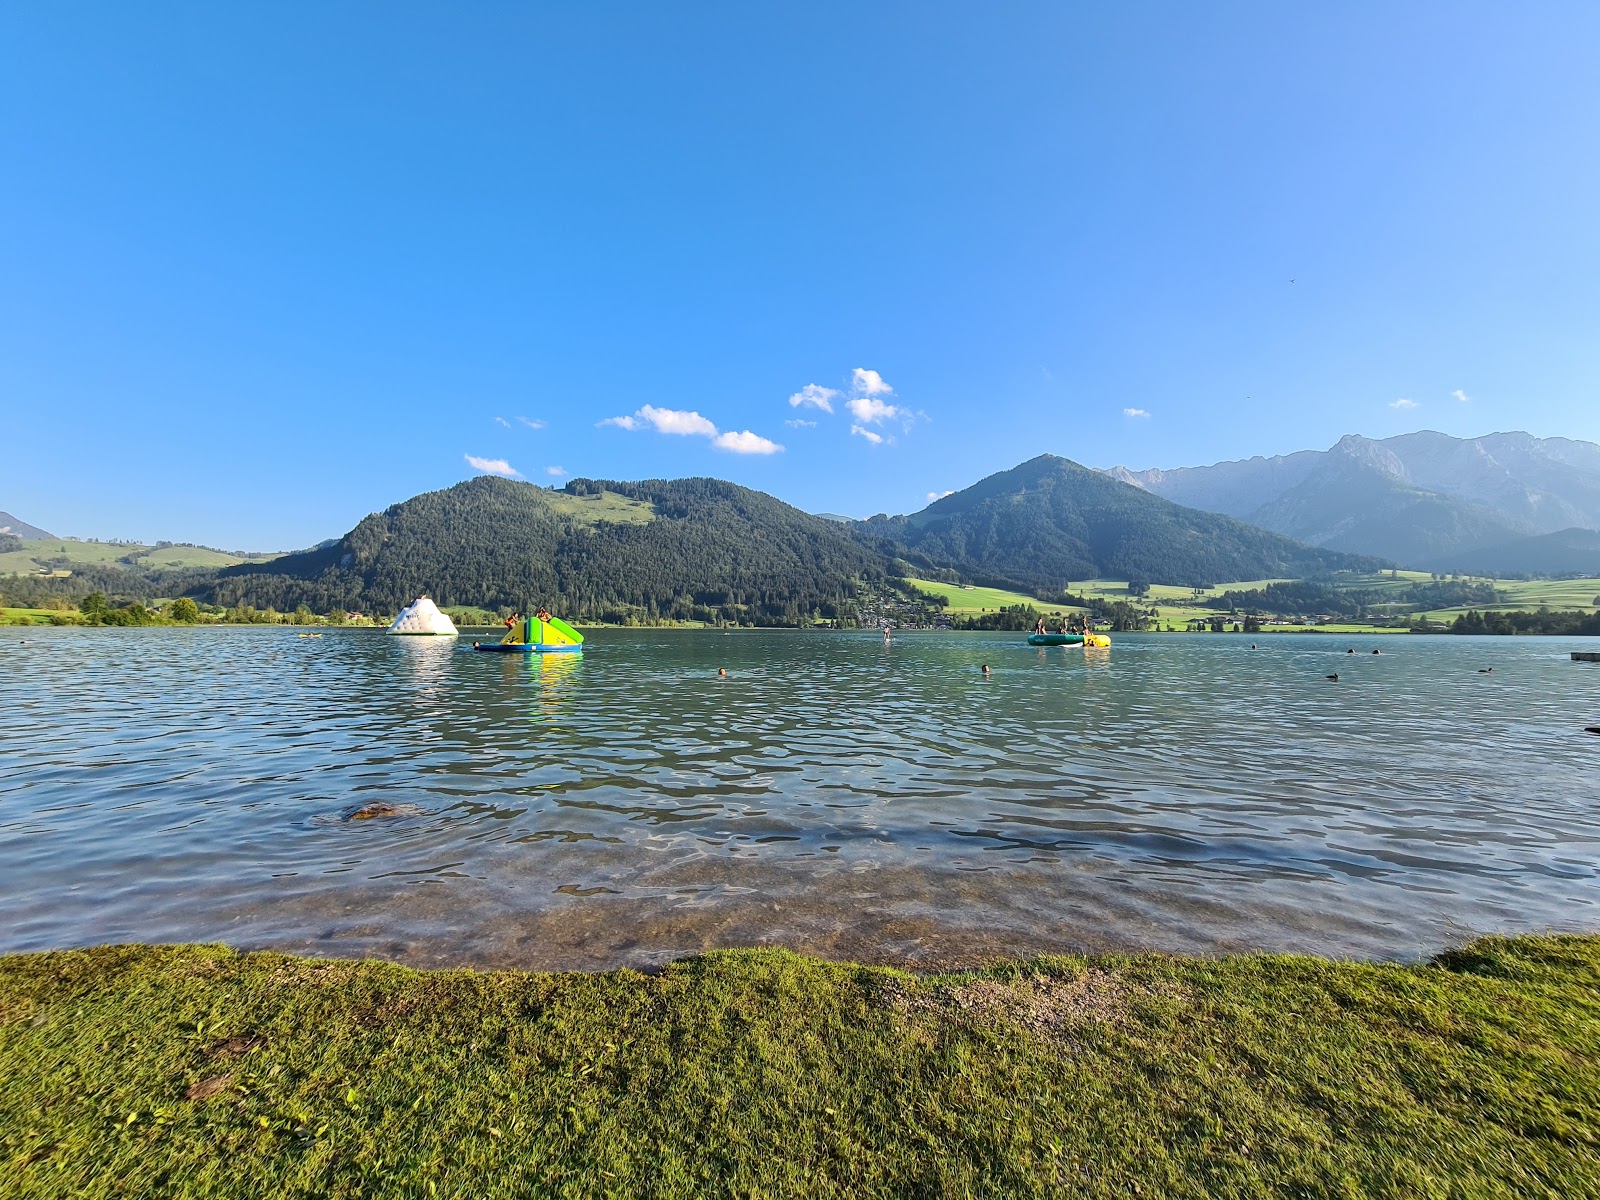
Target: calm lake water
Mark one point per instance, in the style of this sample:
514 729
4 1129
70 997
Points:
832 795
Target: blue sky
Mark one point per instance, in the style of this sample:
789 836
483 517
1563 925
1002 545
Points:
270 267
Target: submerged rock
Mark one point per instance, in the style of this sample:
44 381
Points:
368 812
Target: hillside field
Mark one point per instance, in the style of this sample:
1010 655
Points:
1177 605
963 600
35 554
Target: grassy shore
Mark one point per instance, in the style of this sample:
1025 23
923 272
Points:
196 1071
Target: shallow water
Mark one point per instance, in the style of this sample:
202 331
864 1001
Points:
832 795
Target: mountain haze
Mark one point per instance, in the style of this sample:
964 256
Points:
1567 552
19 528
1050 521
1418 498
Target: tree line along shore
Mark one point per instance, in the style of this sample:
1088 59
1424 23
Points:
200 1071
1268 606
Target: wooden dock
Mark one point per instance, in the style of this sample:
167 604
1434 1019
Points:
1586 656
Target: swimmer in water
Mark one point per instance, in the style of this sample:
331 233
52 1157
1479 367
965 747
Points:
986 670
722 672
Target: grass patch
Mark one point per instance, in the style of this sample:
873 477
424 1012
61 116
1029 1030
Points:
168 558
25 616
198 1071
604 506
35 554
961 600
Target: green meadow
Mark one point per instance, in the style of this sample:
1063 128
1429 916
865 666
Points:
25 616
35 554
963 600
197 1071
603 506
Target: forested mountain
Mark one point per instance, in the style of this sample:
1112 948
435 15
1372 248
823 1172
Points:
1419 498
684 548
1568 552
1050 521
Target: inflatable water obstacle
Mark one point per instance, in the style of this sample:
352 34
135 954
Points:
537 635
1087 641
422 618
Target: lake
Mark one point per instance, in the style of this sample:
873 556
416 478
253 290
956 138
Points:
832 794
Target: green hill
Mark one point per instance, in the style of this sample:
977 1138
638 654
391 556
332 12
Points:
597 550
1564 553
1050 521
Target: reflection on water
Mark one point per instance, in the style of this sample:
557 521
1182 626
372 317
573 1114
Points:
832 794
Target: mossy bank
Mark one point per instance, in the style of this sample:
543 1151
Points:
199 1071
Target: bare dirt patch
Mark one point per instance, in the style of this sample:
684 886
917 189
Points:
207 1088
1045 1005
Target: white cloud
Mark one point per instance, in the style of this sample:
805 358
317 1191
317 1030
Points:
677 421
491 466
555 472
745 442
502 422
1462 396
814 396
1402 404
531 424
868 383
875 438
869 411
1137 413
798 423
932 496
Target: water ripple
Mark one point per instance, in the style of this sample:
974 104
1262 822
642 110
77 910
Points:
830 794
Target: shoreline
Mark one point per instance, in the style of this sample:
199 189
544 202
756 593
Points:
196 1070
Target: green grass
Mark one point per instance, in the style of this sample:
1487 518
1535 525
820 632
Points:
200 1072
961 600
34 553
173 557
606 506
1529 594
25 616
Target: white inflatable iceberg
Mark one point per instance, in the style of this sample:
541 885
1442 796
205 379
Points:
423 617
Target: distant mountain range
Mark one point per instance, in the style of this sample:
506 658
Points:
19 528
705 548
1051 521
1426 500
